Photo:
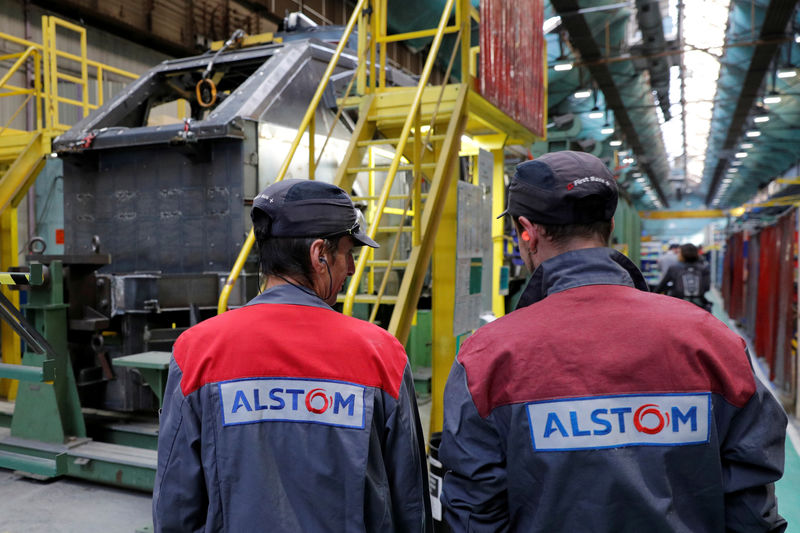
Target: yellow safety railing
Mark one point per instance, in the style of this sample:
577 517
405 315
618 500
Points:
306 124
415 196
25 149
46 58
412 120
35 91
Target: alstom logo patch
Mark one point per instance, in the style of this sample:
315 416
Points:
333 403
613 421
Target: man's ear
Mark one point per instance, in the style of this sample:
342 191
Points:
317 255
535 232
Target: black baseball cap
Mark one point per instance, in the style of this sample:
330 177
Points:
563 188
308 208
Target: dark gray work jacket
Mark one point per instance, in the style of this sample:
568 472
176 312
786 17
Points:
599 407
285 415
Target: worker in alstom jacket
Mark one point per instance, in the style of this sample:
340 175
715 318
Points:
596 405
284 415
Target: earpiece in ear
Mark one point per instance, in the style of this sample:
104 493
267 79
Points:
322 260
524 236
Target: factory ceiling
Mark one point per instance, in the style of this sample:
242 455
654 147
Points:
619 69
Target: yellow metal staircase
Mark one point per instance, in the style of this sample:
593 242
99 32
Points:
417 133
22 156
409 211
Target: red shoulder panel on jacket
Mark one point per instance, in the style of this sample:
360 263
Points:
604 339
289 341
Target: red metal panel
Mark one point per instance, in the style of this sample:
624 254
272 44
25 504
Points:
512 60
764 330
786 317
751 285
736 305
727 273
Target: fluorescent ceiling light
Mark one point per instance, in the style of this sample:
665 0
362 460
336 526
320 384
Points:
733 170
703 32
615 143
753 133
551 24
585 93
740 155
746 146
607 131
561 67
771 99
637 174
736 163
760 119
787 73
596 114
628 160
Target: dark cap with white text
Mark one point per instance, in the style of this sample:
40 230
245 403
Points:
562 188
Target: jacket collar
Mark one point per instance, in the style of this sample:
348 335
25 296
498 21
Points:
589 266
291 295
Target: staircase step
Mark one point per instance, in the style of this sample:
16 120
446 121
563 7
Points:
390 197
385 168
11 145
394 229
370 299
383 263
394 140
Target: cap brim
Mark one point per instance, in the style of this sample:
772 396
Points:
504 213
362 239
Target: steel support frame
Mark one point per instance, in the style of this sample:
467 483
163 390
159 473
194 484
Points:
444 294
10 348
47 436
498 227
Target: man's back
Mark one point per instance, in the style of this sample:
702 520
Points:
689 281
666 260
615 410
300 419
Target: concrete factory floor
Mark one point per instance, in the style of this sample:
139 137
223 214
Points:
69 506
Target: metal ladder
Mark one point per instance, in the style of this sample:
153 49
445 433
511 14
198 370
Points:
420 129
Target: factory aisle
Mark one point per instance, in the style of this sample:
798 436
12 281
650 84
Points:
788 488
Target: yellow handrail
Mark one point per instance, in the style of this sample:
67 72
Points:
222 304
18 63
416 193
392 172
20 108
47 53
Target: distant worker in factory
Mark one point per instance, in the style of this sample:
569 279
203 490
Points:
596 405
668 258
689 278
285 415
